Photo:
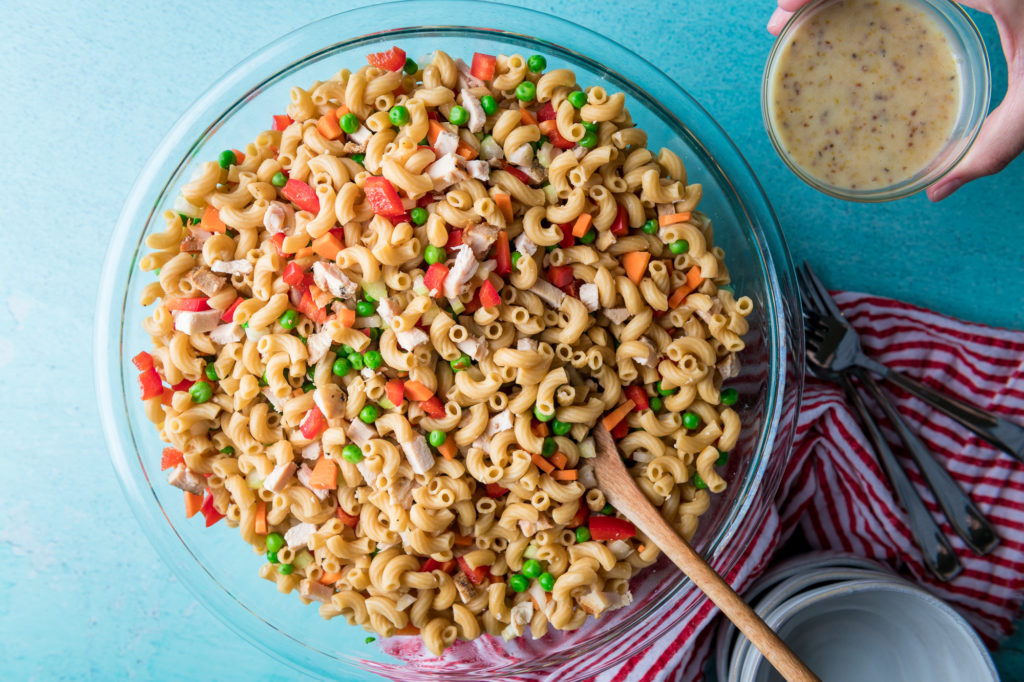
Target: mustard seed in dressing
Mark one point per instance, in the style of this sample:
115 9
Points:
866 93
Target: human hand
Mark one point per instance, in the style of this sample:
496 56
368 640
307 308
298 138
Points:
1002 136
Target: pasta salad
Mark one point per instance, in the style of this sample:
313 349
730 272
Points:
382 333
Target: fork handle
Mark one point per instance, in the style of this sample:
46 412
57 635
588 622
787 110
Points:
938 554
1001 433
967 520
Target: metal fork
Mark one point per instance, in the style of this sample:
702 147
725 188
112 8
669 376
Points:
834 343
965 518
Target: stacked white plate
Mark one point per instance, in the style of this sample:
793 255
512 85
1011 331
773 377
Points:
852 619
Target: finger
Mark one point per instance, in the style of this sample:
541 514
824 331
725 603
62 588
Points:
792 5
1001 139
778 20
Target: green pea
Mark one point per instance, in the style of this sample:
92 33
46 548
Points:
279 179
582 534
410 66
560 428
458 115
577 98
373 359
723 459
308 386
462 362
589 140
341 367
515 259
211 373
227 159
437 438
650 227
549 448
678 247
518 583
526 91
419 215
275 541
288 319
358 158
369 414
200 392
375 334
433 254
349 122
662 390
489 104
285 569
655 403
272 557
607 509
590 126
352 453
589 237
690 420
532 568
347 349
730 396
365 309
536 63
541 416
399 115
547 581
698 482
356 360
228 450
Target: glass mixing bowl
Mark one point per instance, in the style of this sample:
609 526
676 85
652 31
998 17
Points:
213 562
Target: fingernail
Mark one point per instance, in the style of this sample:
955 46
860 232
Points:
944 189
777 21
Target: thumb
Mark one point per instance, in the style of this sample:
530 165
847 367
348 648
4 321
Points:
1001 139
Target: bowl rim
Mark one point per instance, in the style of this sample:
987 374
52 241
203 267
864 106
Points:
956 21
783 338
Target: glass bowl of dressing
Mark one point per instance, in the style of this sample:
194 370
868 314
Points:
875 100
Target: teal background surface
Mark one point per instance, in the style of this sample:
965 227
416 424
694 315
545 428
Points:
89 88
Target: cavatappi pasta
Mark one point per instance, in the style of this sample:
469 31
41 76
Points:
382 333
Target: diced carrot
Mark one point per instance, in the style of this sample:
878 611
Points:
408 630
304 252
211 221
466 151
673 218
329 578
341 111
260 525
635 264
567 475
504 203
448 448
346 317
193 503
693 280
328 126
612 419
539 428
546 127
325 475
559 460
527 118
463 540
327 246
346 518
414 390
434 130
582 225
542 463
239 157
640 548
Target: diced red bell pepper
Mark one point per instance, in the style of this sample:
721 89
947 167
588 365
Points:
182 385
193 305
560 275
515 172
638 396
572 288
567 237
582 512
454 239
293 274
476 575
346 518
488 295
502 255
209 511
495 490
338 233
302 195
483 66
432 115
434 278
620 226
425 200
150 383
143 361
558 141
282 121
278 242
546 113
313 424
171 458
434 565
474 303
310 309
395 390
610 528
229 314
392 59
620 430
433 407
382 196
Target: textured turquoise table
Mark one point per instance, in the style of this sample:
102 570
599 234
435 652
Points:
89 89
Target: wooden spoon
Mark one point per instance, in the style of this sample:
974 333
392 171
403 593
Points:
619 489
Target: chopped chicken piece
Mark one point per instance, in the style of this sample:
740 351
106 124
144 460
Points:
303 475
232 267
521 156
361 136
359 432
405 601
462 271
466 78
388 310
473 347
665 209
651 358
479 169
418 453
479 238
729 367
617 601
190 322
227 333
534 171
204 280
594 603
445 172
579 151
350 148
499 422
329 277
401 492
276 480
412 339
533 527
481 443
312 590
467 592
366 373
193 243
317 346
298 535
278 217
446 143
330 400
273 399
587 477
546 154
520 616
588 294
183 477
525 245
526 343
548 293
617 315
477 117
369 477
620 549
312 451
